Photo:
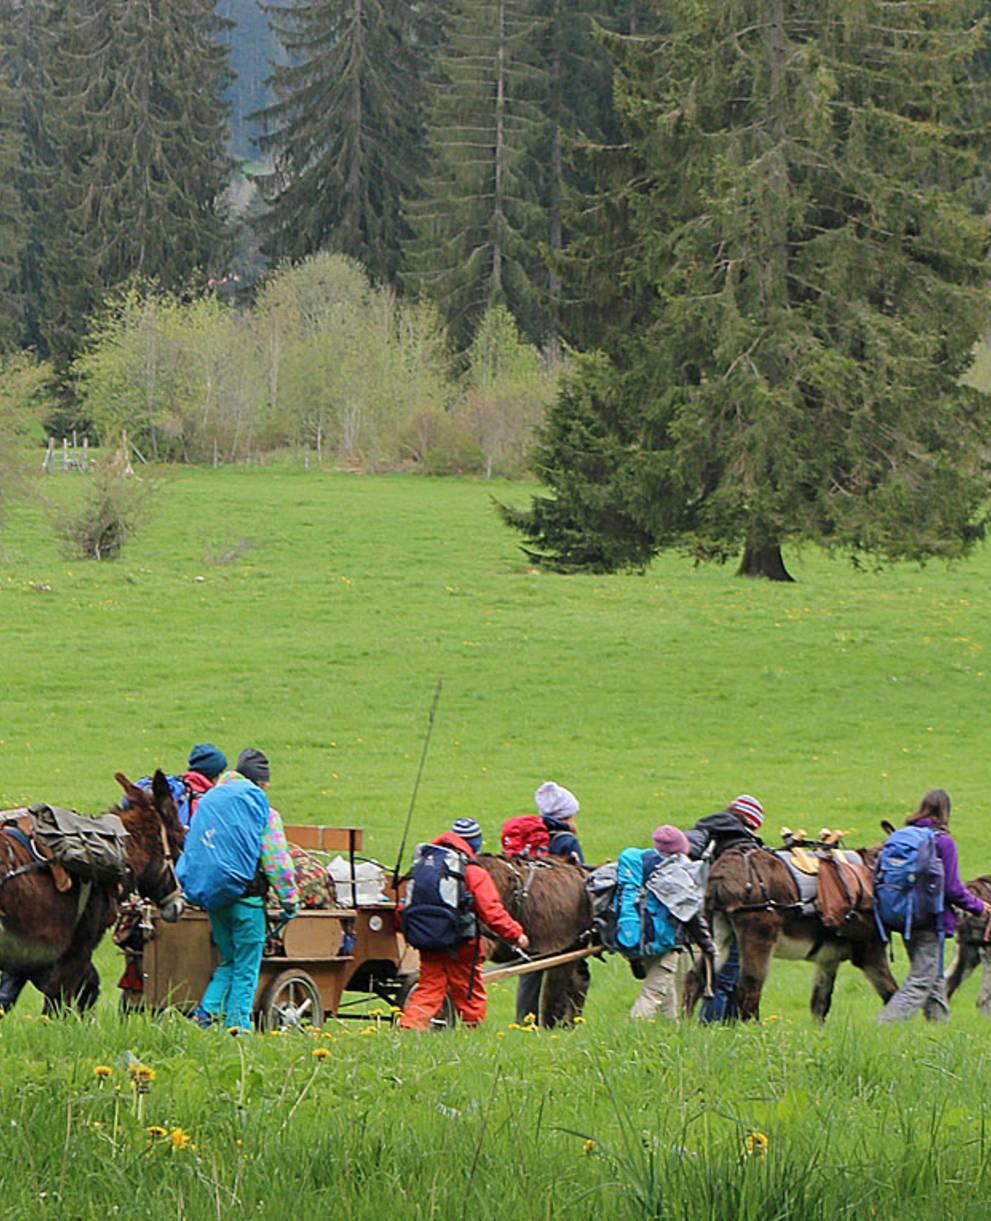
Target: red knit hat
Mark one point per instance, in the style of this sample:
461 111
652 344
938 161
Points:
749 809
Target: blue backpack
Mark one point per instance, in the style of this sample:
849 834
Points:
182 795
438 909
223 847
908 882
644 927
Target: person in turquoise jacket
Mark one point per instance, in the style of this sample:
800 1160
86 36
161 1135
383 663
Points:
239 927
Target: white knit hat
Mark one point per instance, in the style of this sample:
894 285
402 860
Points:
556 801
749 809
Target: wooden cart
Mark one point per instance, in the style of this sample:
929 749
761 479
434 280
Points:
309 964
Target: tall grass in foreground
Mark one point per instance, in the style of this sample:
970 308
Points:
618 1121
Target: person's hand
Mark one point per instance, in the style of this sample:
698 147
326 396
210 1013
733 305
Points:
522 942
289 910
987 908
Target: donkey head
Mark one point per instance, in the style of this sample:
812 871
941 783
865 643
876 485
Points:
155 839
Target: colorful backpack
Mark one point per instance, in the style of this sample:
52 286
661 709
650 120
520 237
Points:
908 882
222 850
645 926
526 835
439 909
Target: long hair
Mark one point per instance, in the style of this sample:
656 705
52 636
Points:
935 805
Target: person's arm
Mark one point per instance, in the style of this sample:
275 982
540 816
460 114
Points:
954 891
277 861
489 906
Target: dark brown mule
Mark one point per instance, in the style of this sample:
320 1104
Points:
548 897
973 948
42 928
752 895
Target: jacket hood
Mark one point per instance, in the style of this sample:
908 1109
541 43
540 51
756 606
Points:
450 840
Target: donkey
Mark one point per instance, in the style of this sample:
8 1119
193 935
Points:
548 897
752 895
52 933
973 948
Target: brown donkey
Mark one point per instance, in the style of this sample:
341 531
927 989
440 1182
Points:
54 932
548 897
973 948
752 895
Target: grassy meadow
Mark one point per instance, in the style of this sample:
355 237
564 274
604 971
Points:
312 614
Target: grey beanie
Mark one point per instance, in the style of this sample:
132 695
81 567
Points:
253 765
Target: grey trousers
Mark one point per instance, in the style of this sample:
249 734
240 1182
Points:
659 994
924 987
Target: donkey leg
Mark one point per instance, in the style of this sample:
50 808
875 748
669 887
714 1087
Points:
984 996
965 959
756 937
871 957
823 982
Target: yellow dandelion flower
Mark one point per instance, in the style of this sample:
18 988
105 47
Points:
581 1021
500 1034
756 1144
321 1053
143 1074
102 1071
156 1131
179 1138
529 1019
588 1147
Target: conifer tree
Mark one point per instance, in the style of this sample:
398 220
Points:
346 130
479 224
785 284
138 131
12 227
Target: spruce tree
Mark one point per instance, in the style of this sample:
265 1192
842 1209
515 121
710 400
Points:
13 232
785 283
479 225
138 131
346 131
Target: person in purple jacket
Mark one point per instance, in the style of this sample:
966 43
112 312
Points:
924 988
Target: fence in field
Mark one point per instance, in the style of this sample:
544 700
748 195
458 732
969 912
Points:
67 456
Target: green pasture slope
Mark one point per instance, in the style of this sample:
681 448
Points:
837 700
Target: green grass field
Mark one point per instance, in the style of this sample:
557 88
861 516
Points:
838 701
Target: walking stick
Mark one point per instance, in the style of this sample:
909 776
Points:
416 785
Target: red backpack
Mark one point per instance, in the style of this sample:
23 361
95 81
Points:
525 836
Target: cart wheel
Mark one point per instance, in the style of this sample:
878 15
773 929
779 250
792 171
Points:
446 1016
290 1002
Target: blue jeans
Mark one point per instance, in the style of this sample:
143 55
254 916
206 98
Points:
239 933
721 1006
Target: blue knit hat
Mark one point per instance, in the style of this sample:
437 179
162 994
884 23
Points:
469 829
207 760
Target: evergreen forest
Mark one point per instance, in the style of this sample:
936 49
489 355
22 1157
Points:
734 251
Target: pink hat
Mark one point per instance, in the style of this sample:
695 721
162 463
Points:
749 809
668 839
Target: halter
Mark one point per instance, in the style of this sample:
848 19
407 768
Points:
168 866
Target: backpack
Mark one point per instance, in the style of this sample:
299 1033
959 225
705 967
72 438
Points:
601 886
908 881
679 884
439 909
94 849
845 895
182 795
645 926
223 848
526 835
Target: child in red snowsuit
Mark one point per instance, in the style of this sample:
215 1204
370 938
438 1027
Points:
443 971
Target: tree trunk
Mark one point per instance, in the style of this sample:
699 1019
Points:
765 561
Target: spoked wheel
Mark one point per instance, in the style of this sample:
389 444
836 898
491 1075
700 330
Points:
290 1002
445 1017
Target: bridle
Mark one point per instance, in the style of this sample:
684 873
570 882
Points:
167 873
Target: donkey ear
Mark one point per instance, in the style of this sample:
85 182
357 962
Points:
887 827
162 791
132 791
